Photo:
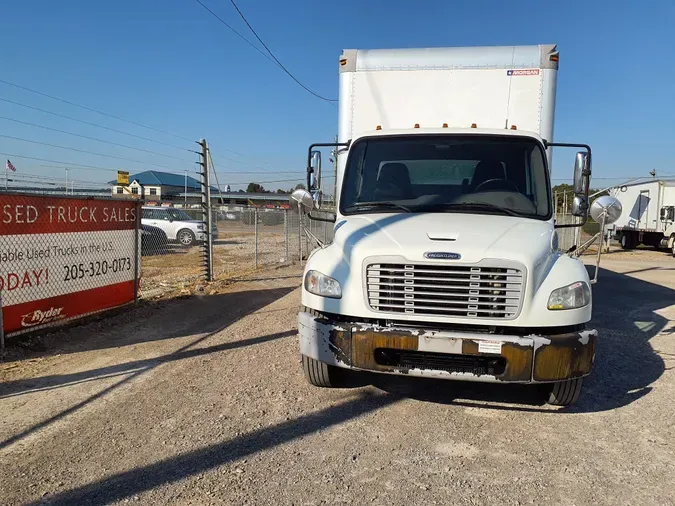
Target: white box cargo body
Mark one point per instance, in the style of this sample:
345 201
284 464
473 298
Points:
491 87
647 216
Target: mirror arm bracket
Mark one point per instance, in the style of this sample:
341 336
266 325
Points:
327 220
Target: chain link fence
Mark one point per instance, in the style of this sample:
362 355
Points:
172 242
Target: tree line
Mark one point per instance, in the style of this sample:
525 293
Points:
258 188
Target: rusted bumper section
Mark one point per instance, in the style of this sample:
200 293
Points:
447 354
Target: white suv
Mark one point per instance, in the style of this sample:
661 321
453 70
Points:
175 223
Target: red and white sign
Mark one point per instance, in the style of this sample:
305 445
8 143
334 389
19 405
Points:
63 258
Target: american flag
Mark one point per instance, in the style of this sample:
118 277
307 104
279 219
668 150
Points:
10 166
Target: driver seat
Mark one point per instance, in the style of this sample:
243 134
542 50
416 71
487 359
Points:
486 170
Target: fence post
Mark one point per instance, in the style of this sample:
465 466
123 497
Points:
255 222
2 333
286 232
325 233
137 251
206 209
300 237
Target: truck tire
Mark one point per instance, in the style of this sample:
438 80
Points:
320 374
627 241
673 249
565 393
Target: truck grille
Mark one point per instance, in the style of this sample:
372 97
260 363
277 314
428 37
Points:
407 359
465 291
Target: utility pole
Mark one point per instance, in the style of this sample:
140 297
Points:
185 193
206 209
66 180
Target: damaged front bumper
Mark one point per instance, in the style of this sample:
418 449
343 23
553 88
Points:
448 354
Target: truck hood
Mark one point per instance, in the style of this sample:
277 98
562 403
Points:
472 237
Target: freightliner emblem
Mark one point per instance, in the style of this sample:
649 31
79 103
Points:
442 255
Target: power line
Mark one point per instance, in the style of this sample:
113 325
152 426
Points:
82 151
270 57
92 124
70 165
52 97
92 110
78 166
281 65
94 138
236 32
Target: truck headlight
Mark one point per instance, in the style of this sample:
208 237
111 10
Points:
570 297
320 284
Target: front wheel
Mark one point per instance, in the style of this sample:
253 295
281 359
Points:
320 374
186 237
565 393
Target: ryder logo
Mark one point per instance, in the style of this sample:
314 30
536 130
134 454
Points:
38 317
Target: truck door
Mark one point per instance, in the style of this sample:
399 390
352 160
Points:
643 209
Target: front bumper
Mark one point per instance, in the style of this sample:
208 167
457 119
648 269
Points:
448 354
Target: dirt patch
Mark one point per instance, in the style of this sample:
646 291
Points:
202 401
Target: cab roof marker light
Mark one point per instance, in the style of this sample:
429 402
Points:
417 125
473 125
514 127
445 125
378 127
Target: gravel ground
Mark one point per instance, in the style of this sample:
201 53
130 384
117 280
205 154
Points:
201 400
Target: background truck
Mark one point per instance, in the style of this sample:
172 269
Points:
445 258
649 214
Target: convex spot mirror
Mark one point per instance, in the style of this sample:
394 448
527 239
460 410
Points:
302 201
606 207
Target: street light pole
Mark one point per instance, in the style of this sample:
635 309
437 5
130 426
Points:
185 193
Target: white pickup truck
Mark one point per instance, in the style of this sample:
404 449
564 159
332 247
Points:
445 258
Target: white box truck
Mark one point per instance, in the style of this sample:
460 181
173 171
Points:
445 261
649 214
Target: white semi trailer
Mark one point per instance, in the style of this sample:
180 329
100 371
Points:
649 214
445 260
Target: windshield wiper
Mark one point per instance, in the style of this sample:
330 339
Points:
477 205
364 206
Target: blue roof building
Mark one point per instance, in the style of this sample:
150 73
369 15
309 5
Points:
156 185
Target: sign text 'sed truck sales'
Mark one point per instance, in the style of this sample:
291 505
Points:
61 258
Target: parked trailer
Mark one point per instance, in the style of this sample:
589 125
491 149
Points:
649 214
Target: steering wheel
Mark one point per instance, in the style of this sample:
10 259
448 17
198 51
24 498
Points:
496 185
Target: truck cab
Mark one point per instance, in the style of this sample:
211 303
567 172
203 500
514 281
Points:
445 259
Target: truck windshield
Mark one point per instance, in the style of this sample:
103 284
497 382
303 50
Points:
447 173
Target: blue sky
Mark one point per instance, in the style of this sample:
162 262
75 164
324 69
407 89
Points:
169 64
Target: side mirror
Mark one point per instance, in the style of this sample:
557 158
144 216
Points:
315 180
302 201
582 172
579 205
